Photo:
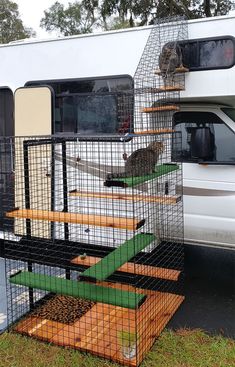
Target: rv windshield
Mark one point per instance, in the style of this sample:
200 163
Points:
230 112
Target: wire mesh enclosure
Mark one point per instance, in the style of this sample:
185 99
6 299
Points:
93 225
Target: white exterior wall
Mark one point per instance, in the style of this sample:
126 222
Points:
112 53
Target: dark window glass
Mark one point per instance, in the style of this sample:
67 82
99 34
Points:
224 138
230 112
93 106
213 53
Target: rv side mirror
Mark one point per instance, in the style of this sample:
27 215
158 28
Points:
202 143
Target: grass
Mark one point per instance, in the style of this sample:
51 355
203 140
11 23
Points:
183 348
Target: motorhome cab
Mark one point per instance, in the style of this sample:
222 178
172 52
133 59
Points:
73 67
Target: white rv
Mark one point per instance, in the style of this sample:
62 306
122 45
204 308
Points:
72 65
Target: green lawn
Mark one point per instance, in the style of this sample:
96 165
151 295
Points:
183 348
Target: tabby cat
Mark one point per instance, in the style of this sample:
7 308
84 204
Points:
170 59
141 162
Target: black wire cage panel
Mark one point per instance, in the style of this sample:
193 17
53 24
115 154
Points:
92 242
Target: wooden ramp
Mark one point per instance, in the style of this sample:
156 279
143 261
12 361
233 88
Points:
98 330
130 224
133 268
126 251
77 289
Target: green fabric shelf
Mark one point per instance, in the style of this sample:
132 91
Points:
78 289
110 263
161 170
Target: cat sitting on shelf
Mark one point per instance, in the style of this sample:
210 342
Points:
141 162
170 59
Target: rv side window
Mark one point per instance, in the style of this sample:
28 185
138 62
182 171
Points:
92 106
210 53
223 137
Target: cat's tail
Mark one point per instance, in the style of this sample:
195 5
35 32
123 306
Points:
111 176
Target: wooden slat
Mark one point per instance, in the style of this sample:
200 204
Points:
169 88
89 219
134 197
158 131
160 109
160 317
41 328
177 70
132 268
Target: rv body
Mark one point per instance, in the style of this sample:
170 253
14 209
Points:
209 187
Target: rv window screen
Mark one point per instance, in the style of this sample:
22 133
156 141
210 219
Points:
206 54
92 106
187 122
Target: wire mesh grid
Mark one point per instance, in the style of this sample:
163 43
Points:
93 229
78 237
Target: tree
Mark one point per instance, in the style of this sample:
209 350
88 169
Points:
210 8
143 12
11 26
75 19
82 17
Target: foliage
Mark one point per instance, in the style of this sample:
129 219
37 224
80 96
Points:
211 8
75 19
83 16
143 12
11 26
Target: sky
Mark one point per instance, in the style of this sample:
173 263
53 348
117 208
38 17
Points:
31 12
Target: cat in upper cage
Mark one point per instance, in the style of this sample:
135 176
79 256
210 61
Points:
170 59
141 162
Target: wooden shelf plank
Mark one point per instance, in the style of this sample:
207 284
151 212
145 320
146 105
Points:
180 70
155 132
139 269
160 109
75 218
164 199
169 88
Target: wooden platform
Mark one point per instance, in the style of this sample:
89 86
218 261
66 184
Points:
98 330
133 268
169 88
154 132
181 70
166 199
89 219
160 109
